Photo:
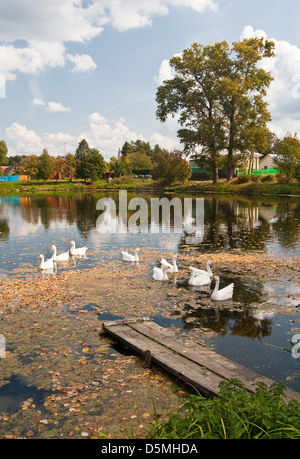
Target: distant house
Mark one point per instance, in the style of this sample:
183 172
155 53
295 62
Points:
199 173
11 175
268 162
56 175
8 171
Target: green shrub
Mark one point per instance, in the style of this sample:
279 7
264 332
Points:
268 178
235 414
254 178
243 179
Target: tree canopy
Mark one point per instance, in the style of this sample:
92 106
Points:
90 163
3 153
287 157
171 167
218 94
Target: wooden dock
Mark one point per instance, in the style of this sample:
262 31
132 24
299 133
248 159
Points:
190 362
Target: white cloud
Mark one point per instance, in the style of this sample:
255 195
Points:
54 107
37 101
169 143
45 28
104 134
82 62
23 140
249 32
124 14
165 71
2 87
283 97
107 135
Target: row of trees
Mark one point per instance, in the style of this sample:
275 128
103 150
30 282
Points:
135 157
87 163
138 156
287 157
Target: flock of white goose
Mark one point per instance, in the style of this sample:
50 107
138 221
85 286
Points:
65 256
198 277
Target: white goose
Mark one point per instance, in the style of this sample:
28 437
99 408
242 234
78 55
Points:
170 268
80 251
220 295
129 257
198 281
201 272
160 274
48 264
61 257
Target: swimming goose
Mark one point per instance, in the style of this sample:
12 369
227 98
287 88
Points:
61 257
48 264
79 251
221 295
196 280
160 274
128 257
170 268
201 272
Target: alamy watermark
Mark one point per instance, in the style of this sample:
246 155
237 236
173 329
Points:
163 215
2 347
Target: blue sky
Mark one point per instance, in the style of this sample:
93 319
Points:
90 69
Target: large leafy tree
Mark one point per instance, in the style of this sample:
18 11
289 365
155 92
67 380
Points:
171 167
70 166
218 93
80 156
28 165
3 153
90 163
45 165
288 157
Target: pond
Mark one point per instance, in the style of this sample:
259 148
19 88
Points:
259 339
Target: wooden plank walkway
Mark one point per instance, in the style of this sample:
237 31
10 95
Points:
183 358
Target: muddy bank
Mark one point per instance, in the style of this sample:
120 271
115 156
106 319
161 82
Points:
61 378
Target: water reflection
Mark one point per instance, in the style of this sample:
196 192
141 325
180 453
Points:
227 321
37 220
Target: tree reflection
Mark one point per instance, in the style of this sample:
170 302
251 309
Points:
227 321
4 228
249 223
230 222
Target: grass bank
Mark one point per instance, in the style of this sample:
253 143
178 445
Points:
234 187
258 187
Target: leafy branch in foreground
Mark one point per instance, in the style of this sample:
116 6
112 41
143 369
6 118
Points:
235 414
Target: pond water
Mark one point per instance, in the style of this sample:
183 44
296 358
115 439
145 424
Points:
30 223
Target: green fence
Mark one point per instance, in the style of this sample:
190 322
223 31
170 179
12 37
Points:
258 172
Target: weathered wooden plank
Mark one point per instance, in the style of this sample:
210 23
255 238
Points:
201 355
189 372
191 362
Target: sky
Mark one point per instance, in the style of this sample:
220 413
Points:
74 69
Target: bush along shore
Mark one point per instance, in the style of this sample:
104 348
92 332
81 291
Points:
267 185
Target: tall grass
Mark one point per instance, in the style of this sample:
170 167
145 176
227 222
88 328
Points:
235 414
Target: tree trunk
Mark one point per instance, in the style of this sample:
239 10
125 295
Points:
215 173
230 166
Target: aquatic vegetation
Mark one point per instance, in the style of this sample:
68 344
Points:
236 414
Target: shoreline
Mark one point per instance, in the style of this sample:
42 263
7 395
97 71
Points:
249 188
